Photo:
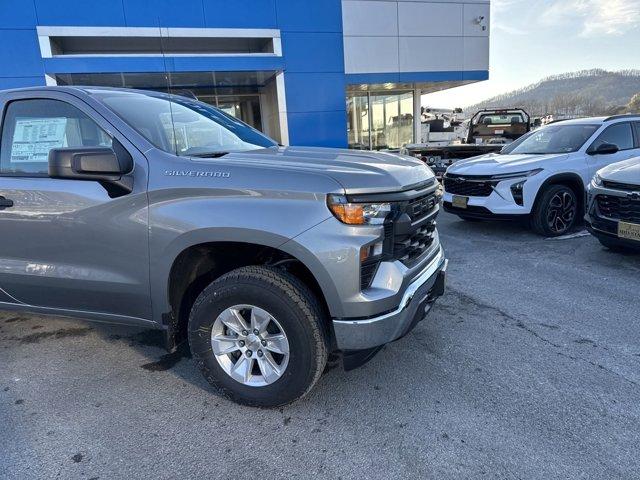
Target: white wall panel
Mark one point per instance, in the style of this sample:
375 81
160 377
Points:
472 13
428 54
371 54
388 36
370 17
432 19
476 53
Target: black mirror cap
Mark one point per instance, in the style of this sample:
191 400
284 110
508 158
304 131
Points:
605 149
109 166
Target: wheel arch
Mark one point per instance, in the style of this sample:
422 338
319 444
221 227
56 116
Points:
197 264
571 180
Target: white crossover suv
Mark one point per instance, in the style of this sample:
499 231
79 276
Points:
543 175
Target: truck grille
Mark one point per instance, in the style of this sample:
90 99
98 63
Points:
619 208
463 186
412 230
409 248
409 233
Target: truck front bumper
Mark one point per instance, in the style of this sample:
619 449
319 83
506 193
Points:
367 333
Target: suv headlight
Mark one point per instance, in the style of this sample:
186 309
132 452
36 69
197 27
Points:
597 180
357 213
510 176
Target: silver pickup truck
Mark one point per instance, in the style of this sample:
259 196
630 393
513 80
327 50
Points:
157 210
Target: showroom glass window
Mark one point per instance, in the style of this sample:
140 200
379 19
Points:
33 127
618 134
380 120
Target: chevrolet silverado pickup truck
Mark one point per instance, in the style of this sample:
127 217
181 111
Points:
156 210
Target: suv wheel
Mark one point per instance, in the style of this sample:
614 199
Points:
257 335
556 211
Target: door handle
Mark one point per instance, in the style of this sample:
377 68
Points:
5 203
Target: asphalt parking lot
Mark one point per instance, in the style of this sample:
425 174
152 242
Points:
529 367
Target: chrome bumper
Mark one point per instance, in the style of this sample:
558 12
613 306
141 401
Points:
360 334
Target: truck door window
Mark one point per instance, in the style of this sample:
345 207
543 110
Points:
618 134
33 127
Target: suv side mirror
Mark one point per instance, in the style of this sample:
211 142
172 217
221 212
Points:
605 149
98 164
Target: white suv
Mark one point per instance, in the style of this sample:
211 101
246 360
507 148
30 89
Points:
542 176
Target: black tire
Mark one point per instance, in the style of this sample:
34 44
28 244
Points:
469 219
556 211
296 309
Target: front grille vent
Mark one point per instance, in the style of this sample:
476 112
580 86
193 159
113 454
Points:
467 187
619 208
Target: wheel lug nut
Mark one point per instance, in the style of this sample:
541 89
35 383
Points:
259 353
256 332
245 333
249 353
241 343
264 343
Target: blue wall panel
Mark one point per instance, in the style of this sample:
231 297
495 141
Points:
313 52
240 13
315 92
19 54
310 15
17 14
165 13
80 12
19 82
322 129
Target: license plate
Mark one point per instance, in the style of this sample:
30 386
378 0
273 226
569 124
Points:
460 202
630 231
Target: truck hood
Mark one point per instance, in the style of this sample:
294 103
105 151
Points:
357 171
627 172
494 163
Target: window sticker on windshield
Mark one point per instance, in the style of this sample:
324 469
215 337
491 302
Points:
34 137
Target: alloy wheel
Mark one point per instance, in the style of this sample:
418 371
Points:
562 211
250 345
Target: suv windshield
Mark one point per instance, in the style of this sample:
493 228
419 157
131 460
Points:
183 126
552 139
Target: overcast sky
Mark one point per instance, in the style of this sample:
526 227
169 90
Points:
532 39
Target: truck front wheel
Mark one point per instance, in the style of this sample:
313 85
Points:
258 337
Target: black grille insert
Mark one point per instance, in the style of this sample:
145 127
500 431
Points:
468 187
619 208
621 186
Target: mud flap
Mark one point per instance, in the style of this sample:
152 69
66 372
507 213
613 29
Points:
356 358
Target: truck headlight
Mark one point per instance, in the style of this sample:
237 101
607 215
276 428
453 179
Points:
357 213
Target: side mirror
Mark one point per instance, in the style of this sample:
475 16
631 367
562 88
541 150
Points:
605 149
111 167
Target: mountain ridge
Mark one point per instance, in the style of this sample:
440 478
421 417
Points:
584 92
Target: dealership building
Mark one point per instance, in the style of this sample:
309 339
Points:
306 72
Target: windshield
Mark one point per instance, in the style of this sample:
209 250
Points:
183 126
507 119
552 139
